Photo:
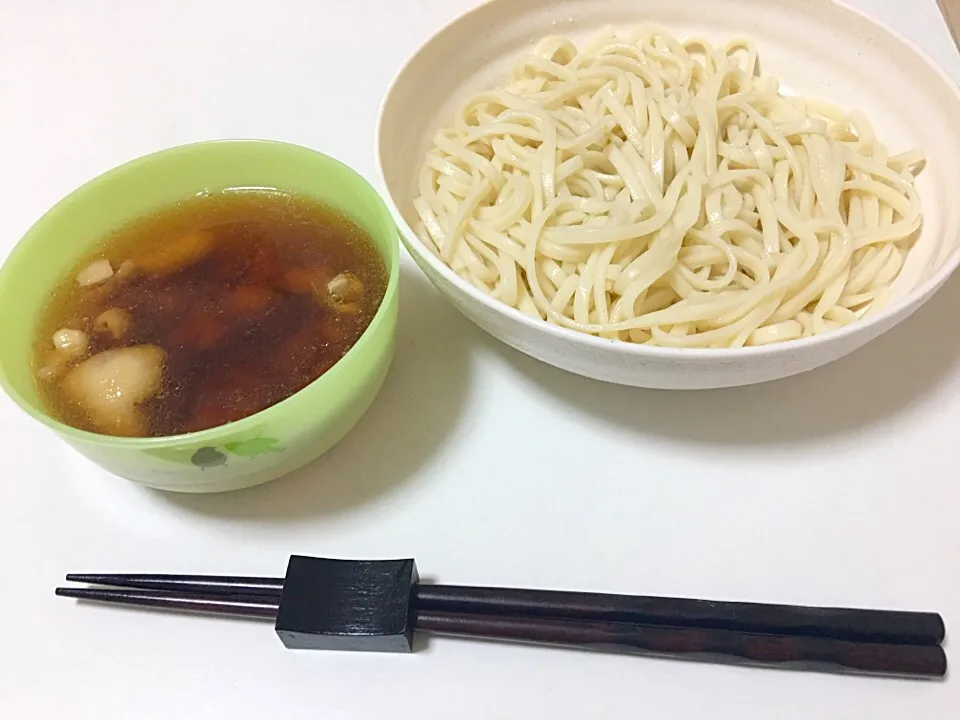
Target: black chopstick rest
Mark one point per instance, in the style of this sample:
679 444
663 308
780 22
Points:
347 604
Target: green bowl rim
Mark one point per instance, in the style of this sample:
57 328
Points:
210 435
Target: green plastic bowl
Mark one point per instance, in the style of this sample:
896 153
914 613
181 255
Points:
258 448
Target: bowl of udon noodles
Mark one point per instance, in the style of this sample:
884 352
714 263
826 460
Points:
675 195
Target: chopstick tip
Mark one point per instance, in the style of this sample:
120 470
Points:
82 578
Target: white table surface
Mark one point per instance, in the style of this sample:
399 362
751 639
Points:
838 487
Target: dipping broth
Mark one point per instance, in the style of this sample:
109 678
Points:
204 313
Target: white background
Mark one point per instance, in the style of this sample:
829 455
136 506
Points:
834 488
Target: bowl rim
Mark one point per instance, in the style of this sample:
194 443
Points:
417 248
212 435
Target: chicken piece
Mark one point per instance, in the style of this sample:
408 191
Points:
95 273
127 269
103 293
110 386
177 254
71 343
345 292
342 293
56 364
345 288
115 322
315 281
68 347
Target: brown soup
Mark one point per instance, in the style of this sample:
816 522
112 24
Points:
206 312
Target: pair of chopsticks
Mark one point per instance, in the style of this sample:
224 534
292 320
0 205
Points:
805 638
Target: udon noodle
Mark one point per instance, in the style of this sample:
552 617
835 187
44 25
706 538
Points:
665 192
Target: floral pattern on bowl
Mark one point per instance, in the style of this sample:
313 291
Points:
210 457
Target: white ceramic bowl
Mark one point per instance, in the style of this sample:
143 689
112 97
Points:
816 47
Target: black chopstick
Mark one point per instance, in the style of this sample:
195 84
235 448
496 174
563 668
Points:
206 603
213 584
768 650
717 646
850 624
